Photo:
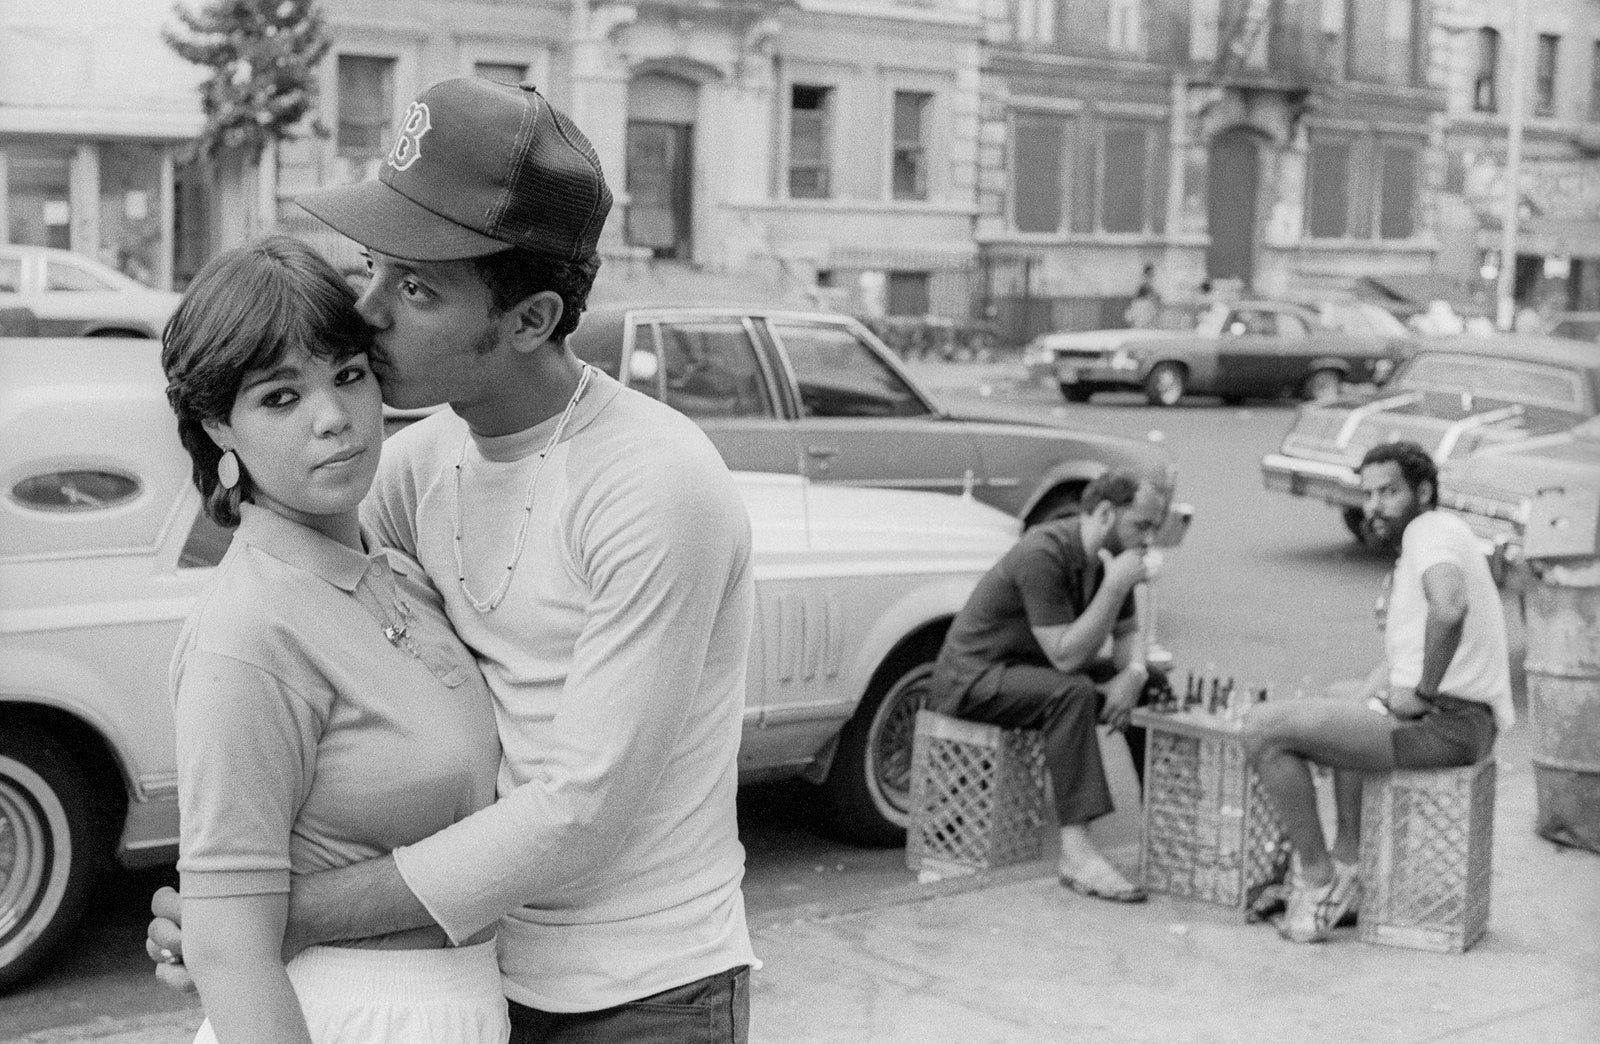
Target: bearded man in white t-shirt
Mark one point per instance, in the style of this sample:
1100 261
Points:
1438 699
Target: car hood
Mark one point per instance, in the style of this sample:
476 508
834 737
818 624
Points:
985 421
790 515
1109 340
1446 424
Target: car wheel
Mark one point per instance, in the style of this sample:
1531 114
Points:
1166 384
1076 392
1321 385
50 848
869 784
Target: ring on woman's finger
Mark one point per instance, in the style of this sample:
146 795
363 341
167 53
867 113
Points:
168 957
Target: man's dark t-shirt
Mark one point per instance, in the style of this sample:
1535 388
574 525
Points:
1046 580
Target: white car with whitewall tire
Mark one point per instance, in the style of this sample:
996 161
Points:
103 549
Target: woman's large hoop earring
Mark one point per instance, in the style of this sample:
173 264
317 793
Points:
228 470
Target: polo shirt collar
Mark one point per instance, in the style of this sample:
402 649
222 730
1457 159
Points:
302 547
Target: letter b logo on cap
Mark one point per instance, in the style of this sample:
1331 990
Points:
408 141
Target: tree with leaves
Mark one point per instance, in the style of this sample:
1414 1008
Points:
263 57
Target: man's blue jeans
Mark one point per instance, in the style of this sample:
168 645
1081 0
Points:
713 1010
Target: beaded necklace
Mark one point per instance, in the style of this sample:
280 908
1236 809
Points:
488 605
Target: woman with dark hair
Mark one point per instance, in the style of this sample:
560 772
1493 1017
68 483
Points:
326 712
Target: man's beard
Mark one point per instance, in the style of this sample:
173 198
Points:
1388 535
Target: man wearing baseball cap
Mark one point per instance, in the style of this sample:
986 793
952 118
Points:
592 550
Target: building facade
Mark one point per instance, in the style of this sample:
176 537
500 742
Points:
93 111
1279 146
1558 240
831 142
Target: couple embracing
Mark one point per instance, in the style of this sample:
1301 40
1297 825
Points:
457 728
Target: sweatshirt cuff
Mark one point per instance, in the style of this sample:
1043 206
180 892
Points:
432 887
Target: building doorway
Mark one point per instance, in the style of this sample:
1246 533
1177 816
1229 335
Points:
660 174
1233 182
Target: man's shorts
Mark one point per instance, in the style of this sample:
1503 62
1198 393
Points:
1451 733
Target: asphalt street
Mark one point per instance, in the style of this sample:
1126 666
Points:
1268 590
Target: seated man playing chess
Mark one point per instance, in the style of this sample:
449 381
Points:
1024 652
1436 701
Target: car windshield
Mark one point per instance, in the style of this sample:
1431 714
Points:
1362 319
1511 380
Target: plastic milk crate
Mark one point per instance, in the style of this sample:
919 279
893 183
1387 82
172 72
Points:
1210 830
977 796
1426 838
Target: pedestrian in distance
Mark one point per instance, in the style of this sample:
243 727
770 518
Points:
308 679
1025 652
1437 700
593 552
1145 308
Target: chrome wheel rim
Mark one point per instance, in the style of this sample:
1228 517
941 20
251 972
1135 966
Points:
893 730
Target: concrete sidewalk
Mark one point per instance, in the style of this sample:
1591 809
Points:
1019 959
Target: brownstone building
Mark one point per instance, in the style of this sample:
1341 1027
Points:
1280 146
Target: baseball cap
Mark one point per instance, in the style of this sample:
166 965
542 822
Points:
476 168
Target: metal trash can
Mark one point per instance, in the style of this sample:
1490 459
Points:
1563 663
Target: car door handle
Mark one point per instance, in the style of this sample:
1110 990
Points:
822 452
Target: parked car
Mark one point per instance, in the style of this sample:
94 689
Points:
1494 488
103 549
71 295
1575 326
816 394
1237 350
1457 396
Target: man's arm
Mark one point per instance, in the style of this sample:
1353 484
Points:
1445 588
1071 646
665 549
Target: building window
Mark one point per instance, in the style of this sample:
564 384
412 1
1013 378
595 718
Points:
1544 76
908 293
1486 74
1126 26
1036 21
1128 178
1330 26
1039 166
1328 190
1397 202
910 157
1594 82
1401 38
810 131
366 105
501 72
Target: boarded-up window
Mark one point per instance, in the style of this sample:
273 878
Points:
810 128
908 293
1544 75
1124 177
1398 193
366 105
1400 24
910 159
1038 171
1486 73
1594 82
1328 190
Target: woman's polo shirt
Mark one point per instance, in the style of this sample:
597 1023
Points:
312 733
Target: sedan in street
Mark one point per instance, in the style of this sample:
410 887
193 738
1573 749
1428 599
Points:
69 295
103 549
1458 397
816 394
1238 351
